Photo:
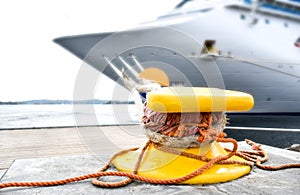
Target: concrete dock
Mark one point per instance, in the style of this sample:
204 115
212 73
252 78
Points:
59 153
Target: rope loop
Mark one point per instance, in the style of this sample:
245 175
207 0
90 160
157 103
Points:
207 127
257 157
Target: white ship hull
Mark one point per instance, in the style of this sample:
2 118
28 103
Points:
256 55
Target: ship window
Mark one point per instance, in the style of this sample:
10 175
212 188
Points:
286 24
243 17
177 83
297 43
267 21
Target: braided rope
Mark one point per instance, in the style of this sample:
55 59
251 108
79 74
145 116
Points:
129 175
202 157
258 157
263 157
207 133
128 180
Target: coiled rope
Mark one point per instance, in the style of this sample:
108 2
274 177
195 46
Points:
255 157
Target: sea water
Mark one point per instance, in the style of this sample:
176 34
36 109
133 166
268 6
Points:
64 115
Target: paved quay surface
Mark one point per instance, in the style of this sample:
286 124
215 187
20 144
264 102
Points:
59 153
54 168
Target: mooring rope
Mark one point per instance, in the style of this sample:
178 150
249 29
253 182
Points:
257 157
206 133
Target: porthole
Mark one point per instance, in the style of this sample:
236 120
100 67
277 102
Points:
267 21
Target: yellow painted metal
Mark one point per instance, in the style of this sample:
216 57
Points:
198 99
161 165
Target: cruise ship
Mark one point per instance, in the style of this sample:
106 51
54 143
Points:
248 45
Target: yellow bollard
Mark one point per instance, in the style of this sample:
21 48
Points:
187 102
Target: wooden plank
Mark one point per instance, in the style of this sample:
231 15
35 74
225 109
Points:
53 142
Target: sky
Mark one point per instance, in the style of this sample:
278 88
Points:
32 66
